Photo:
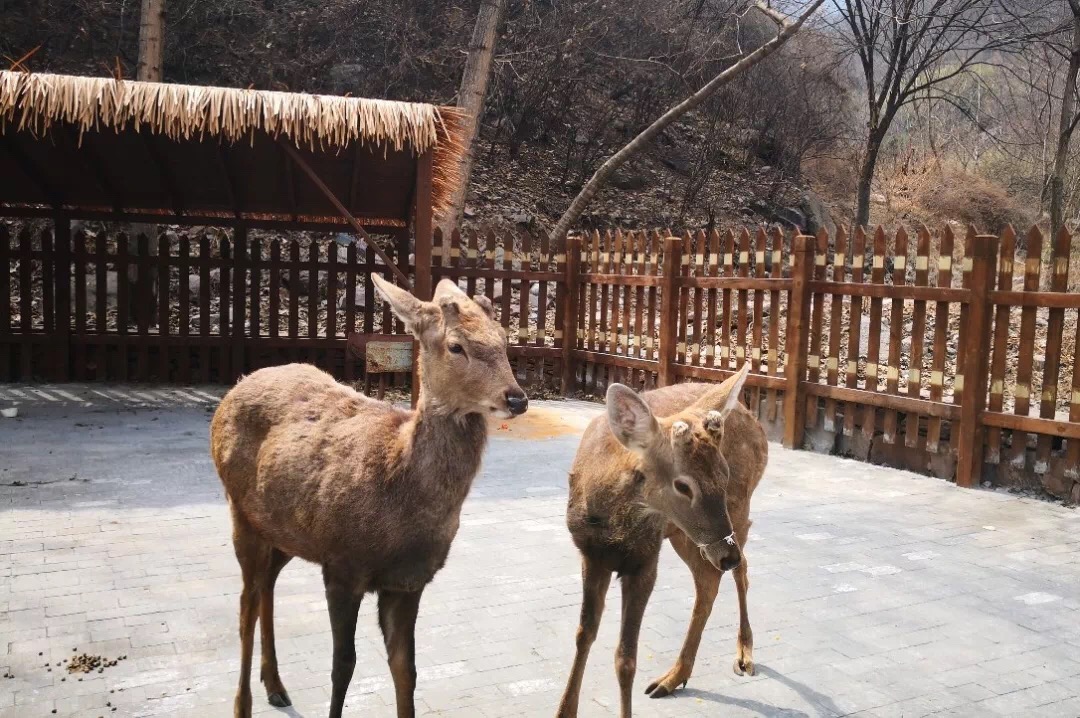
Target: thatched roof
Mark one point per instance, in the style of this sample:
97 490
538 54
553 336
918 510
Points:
36 103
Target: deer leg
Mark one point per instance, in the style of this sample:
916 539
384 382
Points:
397 619
275 690
344 605
636 590
706 584
595 581
250 553
744 646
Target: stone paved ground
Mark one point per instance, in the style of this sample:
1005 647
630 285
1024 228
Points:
874 592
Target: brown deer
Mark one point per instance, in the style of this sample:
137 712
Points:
638 479
371 492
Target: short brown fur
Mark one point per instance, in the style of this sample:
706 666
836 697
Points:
617 521
371 492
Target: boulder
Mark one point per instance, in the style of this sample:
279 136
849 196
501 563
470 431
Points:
816 214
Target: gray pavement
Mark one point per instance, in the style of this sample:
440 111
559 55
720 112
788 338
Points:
873 592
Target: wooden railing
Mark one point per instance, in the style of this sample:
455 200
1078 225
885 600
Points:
942 353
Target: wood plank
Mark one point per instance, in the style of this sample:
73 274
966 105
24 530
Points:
471 260
855 315
238 320
79 257
684 298
204 306
164 307
641 251
1055 329
5 301
1017 453
613 340
814 349
726 348
941 334
274 320
313 293
836 318
123 303
776 272
918 335
627 269
743 316
962 332
652 268
891 402
543 264
1051 300
697 269
571 247
332 290
62 288
524 293
710 299
873 349
894 292
716 375
1002 320
144 307
896 333
593 343
224 307
759 317
1043 427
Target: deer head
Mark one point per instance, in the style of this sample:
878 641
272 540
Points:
463 364
679 463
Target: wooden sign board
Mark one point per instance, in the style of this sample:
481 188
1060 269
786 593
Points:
383 353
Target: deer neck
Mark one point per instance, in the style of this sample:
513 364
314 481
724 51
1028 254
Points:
445 447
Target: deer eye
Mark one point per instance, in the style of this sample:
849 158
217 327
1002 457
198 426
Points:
456 349
683 488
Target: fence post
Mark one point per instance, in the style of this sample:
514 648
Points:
976 361
572 247
240 248
798 328
62 274
669 305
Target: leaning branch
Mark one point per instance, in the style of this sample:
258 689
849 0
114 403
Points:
600 177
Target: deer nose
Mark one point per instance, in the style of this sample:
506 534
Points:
516 401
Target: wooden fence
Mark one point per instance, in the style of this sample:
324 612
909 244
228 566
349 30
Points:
946 354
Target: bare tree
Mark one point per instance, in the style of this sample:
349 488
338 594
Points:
912 50
474 82
787 29
1069 119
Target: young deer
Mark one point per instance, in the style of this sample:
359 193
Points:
687 477
371 492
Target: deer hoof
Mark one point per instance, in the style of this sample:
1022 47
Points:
743 667
657 690
280 700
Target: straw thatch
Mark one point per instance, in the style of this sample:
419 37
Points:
36 101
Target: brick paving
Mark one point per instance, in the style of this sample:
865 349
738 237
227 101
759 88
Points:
873 592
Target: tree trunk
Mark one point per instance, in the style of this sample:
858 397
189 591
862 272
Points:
149 69
866 178
151 41
471 94
1066 127
613 163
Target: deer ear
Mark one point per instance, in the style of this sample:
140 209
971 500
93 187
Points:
420 318
485 304
725 397
631 421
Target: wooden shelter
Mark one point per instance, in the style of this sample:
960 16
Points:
85 148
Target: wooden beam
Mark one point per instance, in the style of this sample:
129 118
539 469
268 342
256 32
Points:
798 335
669 306
1053 300
51 194
892 291
972 357
1031 424
164 174
317 181
923 407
